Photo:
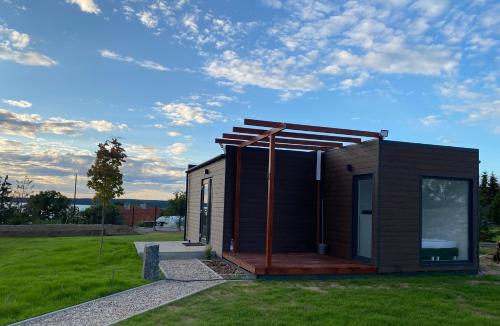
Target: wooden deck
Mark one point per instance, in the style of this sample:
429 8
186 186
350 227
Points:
299 264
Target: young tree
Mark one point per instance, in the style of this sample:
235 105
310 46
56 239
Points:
5 198
105 177
24 190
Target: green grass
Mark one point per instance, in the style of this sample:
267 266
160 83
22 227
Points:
43 274
379 300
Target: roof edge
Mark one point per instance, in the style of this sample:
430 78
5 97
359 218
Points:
210 161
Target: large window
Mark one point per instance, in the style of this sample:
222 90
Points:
445 219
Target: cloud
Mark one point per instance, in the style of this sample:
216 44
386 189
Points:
148 173
356 82
177 148
395 58
148 19
456 90
475 112
430 120
88 6
186 114
261 72
148 64
173 134
18 103
276 4
14 47
28 125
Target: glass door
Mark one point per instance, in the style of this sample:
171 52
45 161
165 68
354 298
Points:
363 216
206 191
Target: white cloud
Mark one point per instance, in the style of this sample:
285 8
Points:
177 148
431 8
475 112
173 134
148 64
356 82
430 120
18 103
148 19
14 47
189 21
28 125
276 4
456 90
186 114
261 74
88 6
396 58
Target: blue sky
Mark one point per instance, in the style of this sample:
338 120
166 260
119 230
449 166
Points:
167 77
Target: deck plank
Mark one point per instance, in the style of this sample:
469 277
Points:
299 264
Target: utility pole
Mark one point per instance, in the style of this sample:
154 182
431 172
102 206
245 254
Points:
74 197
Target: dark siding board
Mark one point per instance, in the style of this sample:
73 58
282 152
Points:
295 200
401 168
337 194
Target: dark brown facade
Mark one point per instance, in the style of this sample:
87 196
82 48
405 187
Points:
295 200
339 167
402 166
396 170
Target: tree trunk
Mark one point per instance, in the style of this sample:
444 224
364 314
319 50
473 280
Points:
102 230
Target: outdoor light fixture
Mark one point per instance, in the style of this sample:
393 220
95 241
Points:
349 167
384 133
207 171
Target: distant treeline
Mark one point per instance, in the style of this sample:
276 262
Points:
134 202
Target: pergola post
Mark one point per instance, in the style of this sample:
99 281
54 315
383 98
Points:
236 226
270 203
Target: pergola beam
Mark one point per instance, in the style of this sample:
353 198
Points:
277 145
288 134
274 130
286 140
296 126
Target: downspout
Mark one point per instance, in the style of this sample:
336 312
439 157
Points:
186 202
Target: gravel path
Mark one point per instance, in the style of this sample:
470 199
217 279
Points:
184 277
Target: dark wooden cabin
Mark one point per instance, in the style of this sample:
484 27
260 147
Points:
276 198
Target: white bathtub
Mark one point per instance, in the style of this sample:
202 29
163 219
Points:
438 244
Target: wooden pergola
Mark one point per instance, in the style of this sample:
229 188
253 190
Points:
272 135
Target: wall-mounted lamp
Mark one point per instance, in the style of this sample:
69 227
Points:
383 134
207 171
349 167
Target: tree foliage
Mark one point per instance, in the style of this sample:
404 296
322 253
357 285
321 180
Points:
489 199
92 215
177 205
5 198
48 206
105 177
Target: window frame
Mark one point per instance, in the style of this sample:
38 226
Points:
470 223
209 211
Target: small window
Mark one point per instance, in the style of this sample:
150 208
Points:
445 220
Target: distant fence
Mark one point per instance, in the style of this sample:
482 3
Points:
133 215
64 230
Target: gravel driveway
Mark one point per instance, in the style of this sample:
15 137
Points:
184 277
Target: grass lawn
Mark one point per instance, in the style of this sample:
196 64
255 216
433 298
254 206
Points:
42 274
379 300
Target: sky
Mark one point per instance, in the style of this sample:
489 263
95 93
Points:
167 77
